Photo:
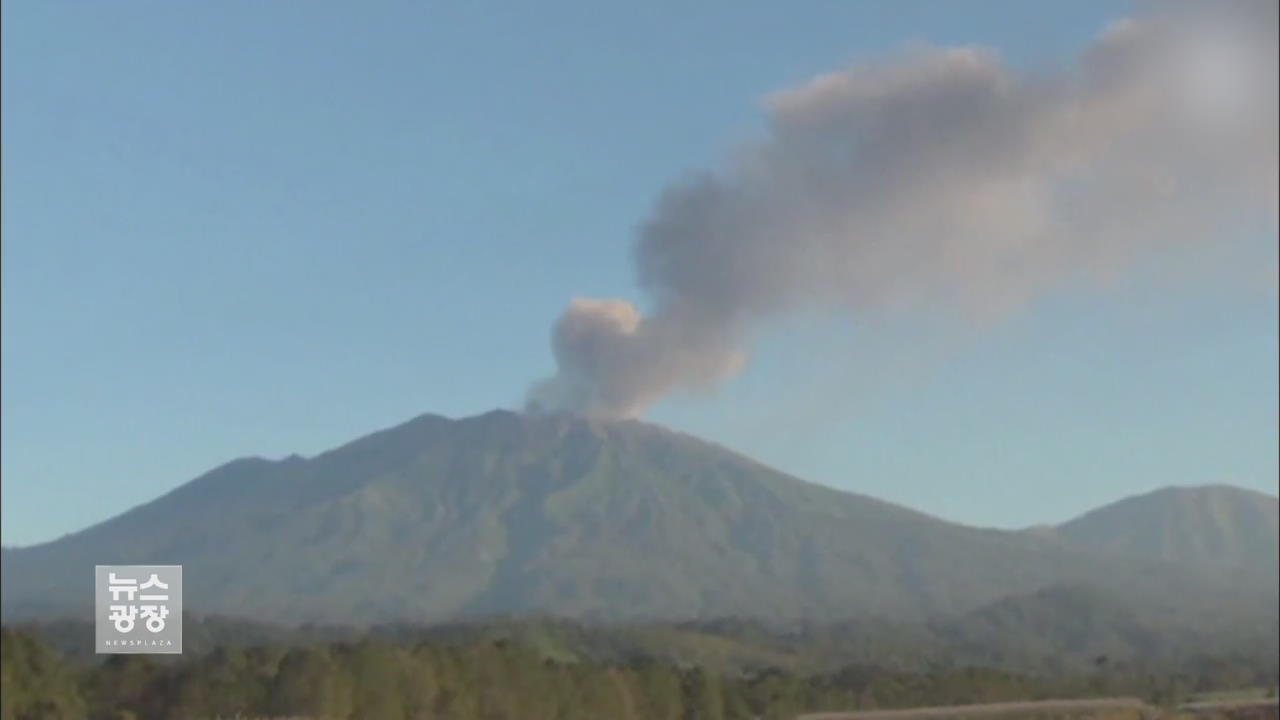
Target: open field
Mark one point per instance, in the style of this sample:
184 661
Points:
1230 708
1224 706
1094 709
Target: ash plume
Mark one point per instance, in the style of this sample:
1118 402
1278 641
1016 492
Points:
941 178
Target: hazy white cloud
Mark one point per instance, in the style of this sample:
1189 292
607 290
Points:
941 178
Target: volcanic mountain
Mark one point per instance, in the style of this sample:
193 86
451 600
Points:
512 514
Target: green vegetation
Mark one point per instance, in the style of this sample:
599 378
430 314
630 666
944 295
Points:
533 670
35 682
1058 631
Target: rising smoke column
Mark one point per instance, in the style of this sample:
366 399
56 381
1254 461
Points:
941 178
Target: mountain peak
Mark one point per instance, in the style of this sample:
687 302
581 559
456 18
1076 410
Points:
1213 490
1207 524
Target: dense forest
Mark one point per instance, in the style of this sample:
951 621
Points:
533 669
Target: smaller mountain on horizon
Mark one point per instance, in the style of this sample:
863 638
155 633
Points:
1201 524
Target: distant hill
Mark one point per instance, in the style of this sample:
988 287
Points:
1211 525
503 513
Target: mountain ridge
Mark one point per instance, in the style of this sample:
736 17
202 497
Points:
424 419
435 519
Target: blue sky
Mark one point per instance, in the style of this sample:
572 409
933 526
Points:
262 228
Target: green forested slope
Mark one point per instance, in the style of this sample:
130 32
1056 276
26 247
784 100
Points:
441 519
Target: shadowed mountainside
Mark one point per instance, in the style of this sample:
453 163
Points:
504 513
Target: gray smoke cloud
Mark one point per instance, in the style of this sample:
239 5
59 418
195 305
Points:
940 178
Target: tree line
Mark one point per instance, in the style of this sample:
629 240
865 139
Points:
485 679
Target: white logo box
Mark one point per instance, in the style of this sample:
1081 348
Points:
138 609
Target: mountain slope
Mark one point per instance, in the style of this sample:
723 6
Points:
507 513
1069 626
1208 525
